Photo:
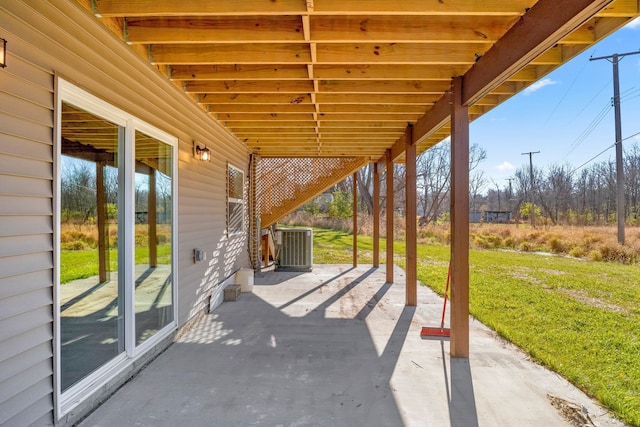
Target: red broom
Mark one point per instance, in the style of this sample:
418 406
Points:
441 331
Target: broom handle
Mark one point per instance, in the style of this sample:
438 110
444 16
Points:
446 291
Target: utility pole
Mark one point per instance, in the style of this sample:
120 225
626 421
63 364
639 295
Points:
533 211
614 59
510 189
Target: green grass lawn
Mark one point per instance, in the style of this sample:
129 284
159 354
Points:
579 318
80 264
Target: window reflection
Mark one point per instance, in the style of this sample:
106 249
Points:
153 236
91 296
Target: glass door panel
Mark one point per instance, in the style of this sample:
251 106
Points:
91 290
153 235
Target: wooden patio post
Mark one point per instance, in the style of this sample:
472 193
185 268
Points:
389 214
355 219
411 212
101 213
376 216
459 346
152 219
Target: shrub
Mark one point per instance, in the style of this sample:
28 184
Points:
618 253
76 245
525 246
510 242
341 206
577 252
595 255
556 245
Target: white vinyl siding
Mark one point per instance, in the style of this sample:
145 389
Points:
60 36
26 262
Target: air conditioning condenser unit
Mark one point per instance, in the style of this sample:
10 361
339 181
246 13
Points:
294 249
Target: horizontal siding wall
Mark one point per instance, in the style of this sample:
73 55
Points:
26 243
205 205
59 37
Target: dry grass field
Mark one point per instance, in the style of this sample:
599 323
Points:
596 243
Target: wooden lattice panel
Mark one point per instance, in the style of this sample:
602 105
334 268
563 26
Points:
285 184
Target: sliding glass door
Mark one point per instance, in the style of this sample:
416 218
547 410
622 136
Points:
91 288
153 231
115 240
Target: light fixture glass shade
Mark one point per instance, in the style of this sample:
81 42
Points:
201 152
3 53
205 154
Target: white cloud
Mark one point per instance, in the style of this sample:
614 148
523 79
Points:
505 167
635 24
539 85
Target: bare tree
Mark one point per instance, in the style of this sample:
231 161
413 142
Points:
365 187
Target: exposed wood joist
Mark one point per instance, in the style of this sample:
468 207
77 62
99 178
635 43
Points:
532 37
316 66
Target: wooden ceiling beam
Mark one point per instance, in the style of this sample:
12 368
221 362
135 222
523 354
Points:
400 53
431 87
262 108
362 125
273 118
318 152
246 53
387 99
141 8
255 98
243 86
353 130
379 117
621 9
275 132
387 72
413 28
239 72
310 124
547 22
408 7
214 29
374 108
534 34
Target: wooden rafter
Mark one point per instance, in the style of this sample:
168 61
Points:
265 68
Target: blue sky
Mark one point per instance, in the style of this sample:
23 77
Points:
567 115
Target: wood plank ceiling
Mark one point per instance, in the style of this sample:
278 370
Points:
332 78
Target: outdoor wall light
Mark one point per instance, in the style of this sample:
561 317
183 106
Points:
3 53
201 152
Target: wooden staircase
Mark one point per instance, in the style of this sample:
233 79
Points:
285 184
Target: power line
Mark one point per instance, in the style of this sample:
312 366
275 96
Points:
601 153
567 91
590 128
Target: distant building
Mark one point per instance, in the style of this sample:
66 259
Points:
499 217
495 217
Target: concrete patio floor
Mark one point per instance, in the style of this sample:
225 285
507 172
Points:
337 347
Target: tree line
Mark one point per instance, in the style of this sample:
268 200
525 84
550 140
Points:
562 194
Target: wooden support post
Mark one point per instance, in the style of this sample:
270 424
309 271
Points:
152 219
459 346
389 214
411 213
101 208
376 216
355 219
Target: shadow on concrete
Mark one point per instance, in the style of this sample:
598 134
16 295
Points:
459 387
310 291
92 319
249 363
335 347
